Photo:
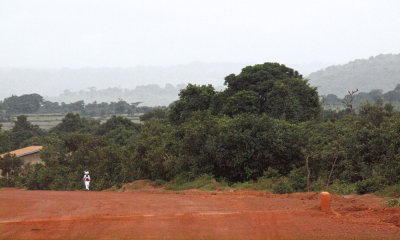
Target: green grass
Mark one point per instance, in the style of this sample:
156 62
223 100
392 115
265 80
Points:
393 203
243 185
391 194
389 191
342 189
275 186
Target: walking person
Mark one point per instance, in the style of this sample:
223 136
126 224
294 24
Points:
86 179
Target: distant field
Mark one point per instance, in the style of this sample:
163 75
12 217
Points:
50 120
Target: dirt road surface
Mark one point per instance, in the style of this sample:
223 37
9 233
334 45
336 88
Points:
191 215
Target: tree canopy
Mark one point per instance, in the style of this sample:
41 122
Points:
282 92
265 126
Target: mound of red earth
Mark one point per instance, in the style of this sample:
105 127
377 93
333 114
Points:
192 215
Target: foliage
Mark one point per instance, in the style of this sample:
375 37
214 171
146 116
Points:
260 133
154 154
341 187
389 191
191 99
275 89
282 186
390 100
241 102
393 203
157 113
72 122
5 142
10 167
22 131
368 186
247 145
297 178
119 130
28 103
262 184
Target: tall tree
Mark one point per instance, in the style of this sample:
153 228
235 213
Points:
28 103
22 131
192 98
282 92
9 166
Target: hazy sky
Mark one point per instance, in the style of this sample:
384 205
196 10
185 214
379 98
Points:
117 33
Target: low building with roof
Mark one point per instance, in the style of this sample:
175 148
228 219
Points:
29 154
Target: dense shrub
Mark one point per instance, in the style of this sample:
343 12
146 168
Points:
257 133
282 186
368 186
393 203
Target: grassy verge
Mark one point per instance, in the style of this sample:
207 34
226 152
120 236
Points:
389 191
391 194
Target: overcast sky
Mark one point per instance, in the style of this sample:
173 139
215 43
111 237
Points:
117 33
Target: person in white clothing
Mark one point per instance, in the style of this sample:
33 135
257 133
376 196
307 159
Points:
86 179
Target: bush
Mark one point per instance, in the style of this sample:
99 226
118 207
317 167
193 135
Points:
4 183
297 179
318 185
368 186
390 191
282 186
159 183
271 173
181 179
393 203
263 183
243 185
342 188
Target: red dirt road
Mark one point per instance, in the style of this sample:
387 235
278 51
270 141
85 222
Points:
191 215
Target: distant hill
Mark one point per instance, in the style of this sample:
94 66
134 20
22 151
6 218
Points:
380 72
53 82
148 95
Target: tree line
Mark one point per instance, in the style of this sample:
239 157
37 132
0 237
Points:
332 102
267 124
35 104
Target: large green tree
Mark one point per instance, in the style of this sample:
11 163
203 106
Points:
72 122
282 92
191 99
28 103
10 166
247 145
22 131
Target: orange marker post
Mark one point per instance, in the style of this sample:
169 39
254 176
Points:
325 202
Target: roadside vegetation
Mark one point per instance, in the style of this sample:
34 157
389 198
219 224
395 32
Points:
266 131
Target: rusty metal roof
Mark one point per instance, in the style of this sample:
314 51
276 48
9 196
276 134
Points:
24 151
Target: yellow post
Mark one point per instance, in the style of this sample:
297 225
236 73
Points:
325 202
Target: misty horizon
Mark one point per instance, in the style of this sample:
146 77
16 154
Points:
52 82
51 46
